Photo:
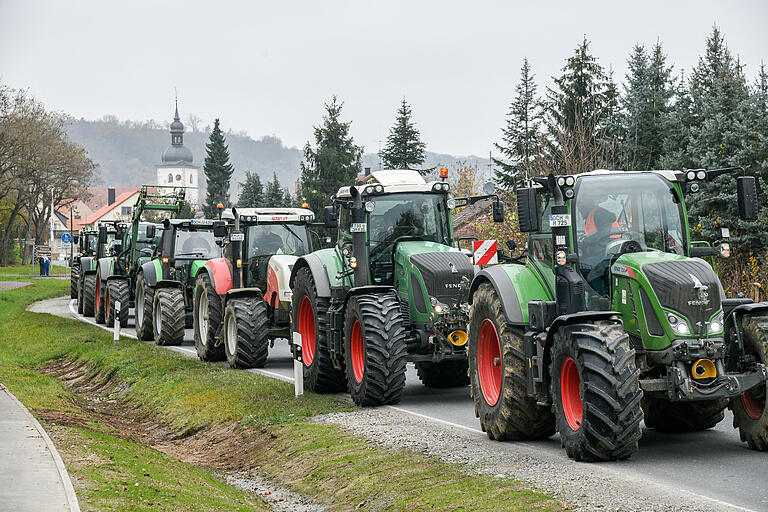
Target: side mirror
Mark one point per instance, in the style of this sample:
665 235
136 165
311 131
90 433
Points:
75 240
151 232
219 230
330 218
527 210
747 194
498 211
102 235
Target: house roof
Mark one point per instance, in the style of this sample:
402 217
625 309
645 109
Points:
98 214
99 196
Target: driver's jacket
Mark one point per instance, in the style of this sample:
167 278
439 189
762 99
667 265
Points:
590 226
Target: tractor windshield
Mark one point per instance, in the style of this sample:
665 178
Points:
269 239
622 213
144 246
405 216
91 243
198 244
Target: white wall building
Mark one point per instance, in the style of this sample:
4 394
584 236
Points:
175 168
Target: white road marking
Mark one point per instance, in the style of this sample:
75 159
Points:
82 318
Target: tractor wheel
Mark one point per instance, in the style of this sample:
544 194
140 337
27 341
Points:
245 333
446 374
80 293
73 278
666 416
89 294
100 302
206 320
309 318
144 299
117 291
595 391
375 349
168 316
497 372
750 414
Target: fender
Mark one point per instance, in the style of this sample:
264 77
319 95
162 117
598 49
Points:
219 270
505 290
371 288
750 307
149 269
322 284
86 266
104 267
244 292
167 283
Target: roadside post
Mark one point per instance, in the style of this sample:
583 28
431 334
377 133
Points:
298 366
116 336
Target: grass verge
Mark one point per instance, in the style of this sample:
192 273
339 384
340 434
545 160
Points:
193 399
30 270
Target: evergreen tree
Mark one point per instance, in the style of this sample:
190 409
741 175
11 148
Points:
404 149
520 145
252 192
275 196
334 161
218 172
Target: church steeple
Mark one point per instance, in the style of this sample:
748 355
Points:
177 129
176 153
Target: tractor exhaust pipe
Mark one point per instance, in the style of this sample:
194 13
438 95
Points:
359 238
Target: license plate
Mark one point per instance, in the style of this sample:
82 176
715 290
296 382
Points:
358 227
237 237
562 220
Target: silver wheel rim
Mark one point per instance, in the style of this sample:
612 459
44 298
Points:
202 318
231 334
139 305
158 319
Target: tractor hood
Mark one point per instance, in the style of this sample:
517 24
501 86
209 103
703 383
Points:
440 267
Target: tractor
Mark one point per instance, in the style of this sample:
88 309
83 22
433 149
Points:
614 316
107 233
117 273
393 290
86 242
242 301
165 285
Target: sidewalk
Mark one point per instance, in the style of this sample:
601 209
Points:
32 473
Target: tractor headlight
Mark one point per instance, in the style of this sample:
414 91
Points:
379 189
451 203
701 175
561 181
369 206
716 324
569 181
678 324
690 175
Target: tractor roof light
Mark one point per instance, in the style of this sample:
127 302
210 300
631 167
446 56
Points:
369 206
569 181
561 181
701 175
451 203
725 250
690 175
379 189
443 172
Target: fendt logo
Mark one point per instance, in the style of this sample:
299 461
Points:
702 291
452 285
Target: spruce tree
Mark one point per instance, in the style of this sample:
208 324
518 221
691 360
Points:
520 145
218 172
252 191
404 149
275 195
334 160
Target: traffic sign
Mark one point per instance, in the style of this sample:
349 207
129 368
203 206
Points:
43 250
485 252
66 238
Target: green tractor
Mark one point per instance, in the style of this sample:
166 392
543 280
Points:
116 274
86 242
107 233
393 290
613 316
165 285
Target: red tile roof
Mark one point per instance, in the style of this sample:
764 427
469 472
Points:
98 214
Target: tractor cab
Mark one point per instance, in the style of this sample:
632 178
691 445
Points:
186 244
88 241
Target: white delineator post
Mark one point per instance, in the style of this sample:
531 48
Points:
116 336
298 367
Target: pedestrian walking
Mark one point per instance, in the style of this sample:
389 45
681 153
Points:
42 265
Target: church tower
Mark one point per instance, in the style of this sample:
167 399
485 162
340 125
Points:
176 168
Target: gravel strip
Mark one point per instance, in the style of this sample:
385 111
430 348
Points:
278 498
10 285
587 486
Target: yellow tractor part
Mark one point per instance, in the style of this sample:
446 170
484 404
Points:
703 369
458 338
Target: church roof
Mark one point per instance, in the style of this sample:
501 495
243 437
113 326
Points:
176 154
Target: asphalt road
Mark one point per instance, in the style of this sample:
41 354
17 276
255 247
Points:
712 466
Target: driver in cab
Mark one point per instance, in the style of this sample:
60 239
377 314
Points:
195 243
599 226
268 242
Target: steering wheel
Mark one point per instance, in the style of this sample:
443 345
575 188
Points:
629 247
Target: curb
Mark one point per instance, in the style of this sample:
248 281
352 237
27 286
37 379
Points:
69 490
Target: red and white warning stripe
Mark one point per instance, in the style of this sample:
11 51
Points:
485 252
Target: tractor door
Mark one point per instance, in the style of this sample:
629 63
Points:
540 250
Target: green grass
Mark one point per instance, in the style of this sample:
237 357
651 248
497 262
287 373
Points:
28 270
314 459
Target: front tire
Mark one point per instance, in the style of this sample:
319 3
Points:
750 414
497 372
666 416
145 299
375 349
89 294
309 318
453 373
595 391
73 278
245 333
168 317
117 291
80 295
207 320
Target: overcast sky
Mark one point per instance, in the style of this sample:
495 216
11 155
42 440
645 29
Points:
267 67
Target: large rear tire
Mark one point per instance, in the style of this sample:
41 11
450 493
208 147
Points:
207 320
446 374
309 318
750 413
117 291
80 293
498 375
375 349
666 416
245 333
73 278
100 302
168 316
89 294
595 391
144 299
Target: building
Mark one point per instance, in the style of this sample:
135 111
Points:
120 209
175 168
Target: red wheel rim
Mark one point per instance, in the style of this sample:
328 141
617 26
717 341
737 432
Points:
98 294
489 362
754 407
106 297
357 352
570 382
307 331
